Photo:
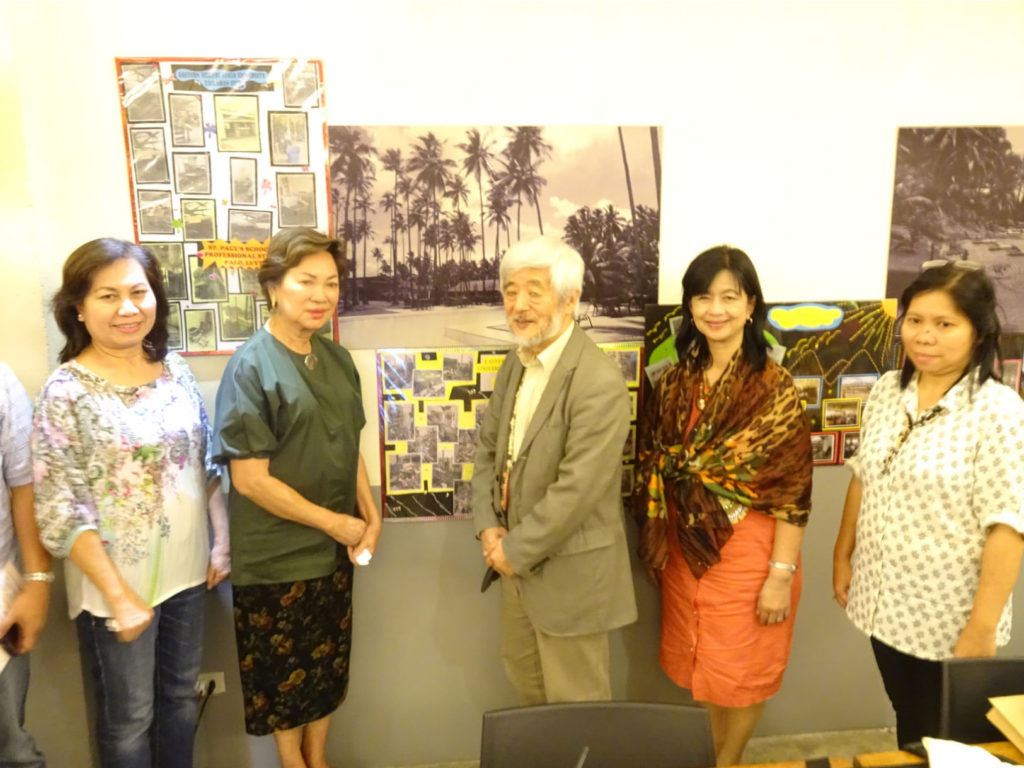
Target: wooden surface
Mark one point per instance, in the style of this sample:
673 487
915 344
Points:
834 762
898 757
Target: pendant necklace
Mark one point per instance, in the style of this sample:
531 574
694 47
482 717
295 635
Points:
311 361
705 390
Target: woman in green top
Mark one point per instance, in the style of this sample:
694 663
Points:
288 418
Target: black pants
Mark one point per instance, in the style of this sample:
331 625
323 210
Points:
914 687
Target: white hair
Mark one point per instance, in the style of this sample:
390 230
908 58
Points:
562 261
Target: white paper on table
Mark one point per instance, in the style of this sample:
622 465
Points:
10 586
952 754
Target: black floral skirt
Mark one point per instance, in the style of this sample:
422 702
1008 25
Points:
293 643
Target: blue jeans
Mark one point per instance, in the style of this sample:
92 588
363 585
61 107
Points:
145 697
17 750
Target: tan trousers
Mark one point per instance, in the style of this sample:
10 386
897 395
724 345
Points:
546 668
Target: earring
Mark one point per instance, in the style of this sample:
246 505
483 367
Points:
750 319
80 318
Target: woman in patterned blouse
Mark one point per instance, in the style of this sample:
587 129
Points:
930 540
124 487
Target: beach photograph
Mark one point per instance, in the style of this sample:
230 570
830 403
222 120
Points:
958 195
427 212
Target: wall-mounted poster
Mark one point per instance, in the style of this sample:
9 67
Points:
431 403
957 195
429 211
222 153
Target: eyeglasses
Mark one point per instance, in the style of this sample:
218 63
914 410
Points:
887 464
966 264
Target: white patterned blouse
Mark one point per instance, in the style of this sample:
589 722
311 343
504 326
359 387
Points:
933 485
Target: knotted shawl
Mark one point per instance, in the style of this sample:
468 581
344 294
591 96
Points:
749 446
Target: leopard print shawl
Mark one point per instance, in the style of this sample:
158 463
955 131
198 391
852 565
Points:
749 446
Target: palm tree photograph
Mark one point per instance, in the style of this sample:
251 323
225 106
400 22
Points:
958 194
428 212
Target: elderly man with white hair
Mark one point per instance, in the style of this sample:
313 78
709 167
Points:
546 485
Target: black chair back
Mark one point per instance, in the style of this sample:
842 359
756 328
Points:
967 685
606 734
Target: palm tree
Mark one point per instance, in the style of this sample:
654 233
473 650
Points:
392 161
584 231
656 159
526 142
389 204
518 181
431 169
404 189
465 237
497 214
418 217
363 228
478 163
629 182
457 191
351 151
383 268
526 149
446 237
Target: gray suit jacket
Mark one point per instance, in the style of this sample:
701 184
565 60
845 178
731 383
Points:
567 537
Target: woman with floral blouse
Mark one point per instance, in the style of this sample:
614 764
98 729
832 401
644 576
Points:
930 541
124 489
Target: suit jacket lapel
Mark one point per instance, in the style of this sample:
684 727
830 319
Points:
507 406
559 379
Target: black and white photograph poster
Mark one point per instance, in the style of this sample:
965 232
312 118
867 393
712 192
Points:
427 213
958 195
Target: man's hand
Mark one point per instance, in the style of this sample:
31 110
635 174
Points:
28 611
489 537
497 560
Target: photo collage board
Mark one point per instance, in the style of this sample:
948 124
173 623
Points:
431 403
835 351
222 153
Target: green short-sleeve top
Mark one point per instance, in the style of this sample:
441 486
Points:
307 423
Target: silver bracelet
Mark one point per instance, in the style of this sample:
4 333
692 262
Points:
46 576
791 567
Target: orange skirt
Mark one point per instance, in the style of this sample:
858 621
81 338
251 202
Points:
711 640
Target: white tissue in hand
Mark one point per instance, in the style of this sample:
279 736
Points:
363 558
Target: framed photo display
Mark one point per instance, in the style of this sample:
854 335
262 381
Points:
191 173
186 110
296 199
221 153
243 180
289 139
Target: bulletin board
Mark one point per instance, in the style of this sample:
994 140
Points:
221 154
431 403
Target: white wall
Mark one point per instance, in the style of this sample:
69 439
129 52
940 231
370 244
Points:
780 122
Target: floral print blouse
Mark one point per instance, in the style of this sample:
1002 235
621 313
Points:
131 463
